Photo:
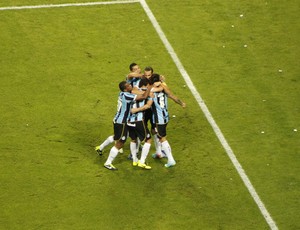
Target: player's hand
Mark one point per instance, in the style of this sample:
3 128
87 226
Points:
162 78
156 84
134 110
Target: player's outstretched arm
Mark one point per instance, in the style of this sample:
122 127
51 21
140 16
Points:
134 75
172 96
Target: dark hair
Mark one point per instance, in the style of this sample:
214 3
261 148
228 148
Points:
122 85
143 82
132 65
154 78
148 68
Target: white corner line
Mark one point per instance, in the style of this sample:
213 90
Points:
67 5
209 117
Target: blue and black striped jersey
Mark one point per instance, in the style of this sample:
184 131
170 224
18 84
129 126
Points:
125 101
160 108
134 81
140 115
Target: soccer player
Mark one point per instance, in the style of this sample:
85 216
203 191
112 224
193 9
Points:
138 130
148 72
126 98
135 74
133 78
161 115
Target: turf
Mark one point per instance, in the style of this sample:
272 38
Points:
59 74
244 88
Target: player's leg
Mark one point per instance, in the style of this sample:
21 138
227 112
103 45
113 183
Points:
105 143
120 136
165 146
133 150
143 134
159 153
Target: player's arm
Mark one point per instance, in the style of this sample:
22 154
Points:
162 78
132 75
143 108
172 96
137 91
143 96
157 88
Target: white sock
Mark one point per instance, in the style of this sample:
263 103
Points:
133 151
112 155
108 141
163 154
157 144
145 152
138 142
167 149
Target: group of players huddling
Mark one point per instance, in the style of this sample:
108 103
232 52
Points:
143 98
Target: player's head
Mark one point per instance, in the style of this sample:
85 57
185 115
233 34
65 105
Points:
143 83
154 78
125 86
133 67
148 71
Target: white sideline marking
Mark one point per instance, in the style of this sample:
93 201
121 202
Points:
67 5
191 86
209 117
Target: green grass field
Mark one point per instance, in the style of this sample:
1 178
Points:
60 69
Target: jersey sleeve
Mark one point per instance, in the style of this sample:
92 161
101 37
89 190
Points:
130 96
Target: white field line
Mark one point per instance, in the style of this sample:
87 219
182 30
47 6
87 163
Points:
67 5
209 117
191 86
